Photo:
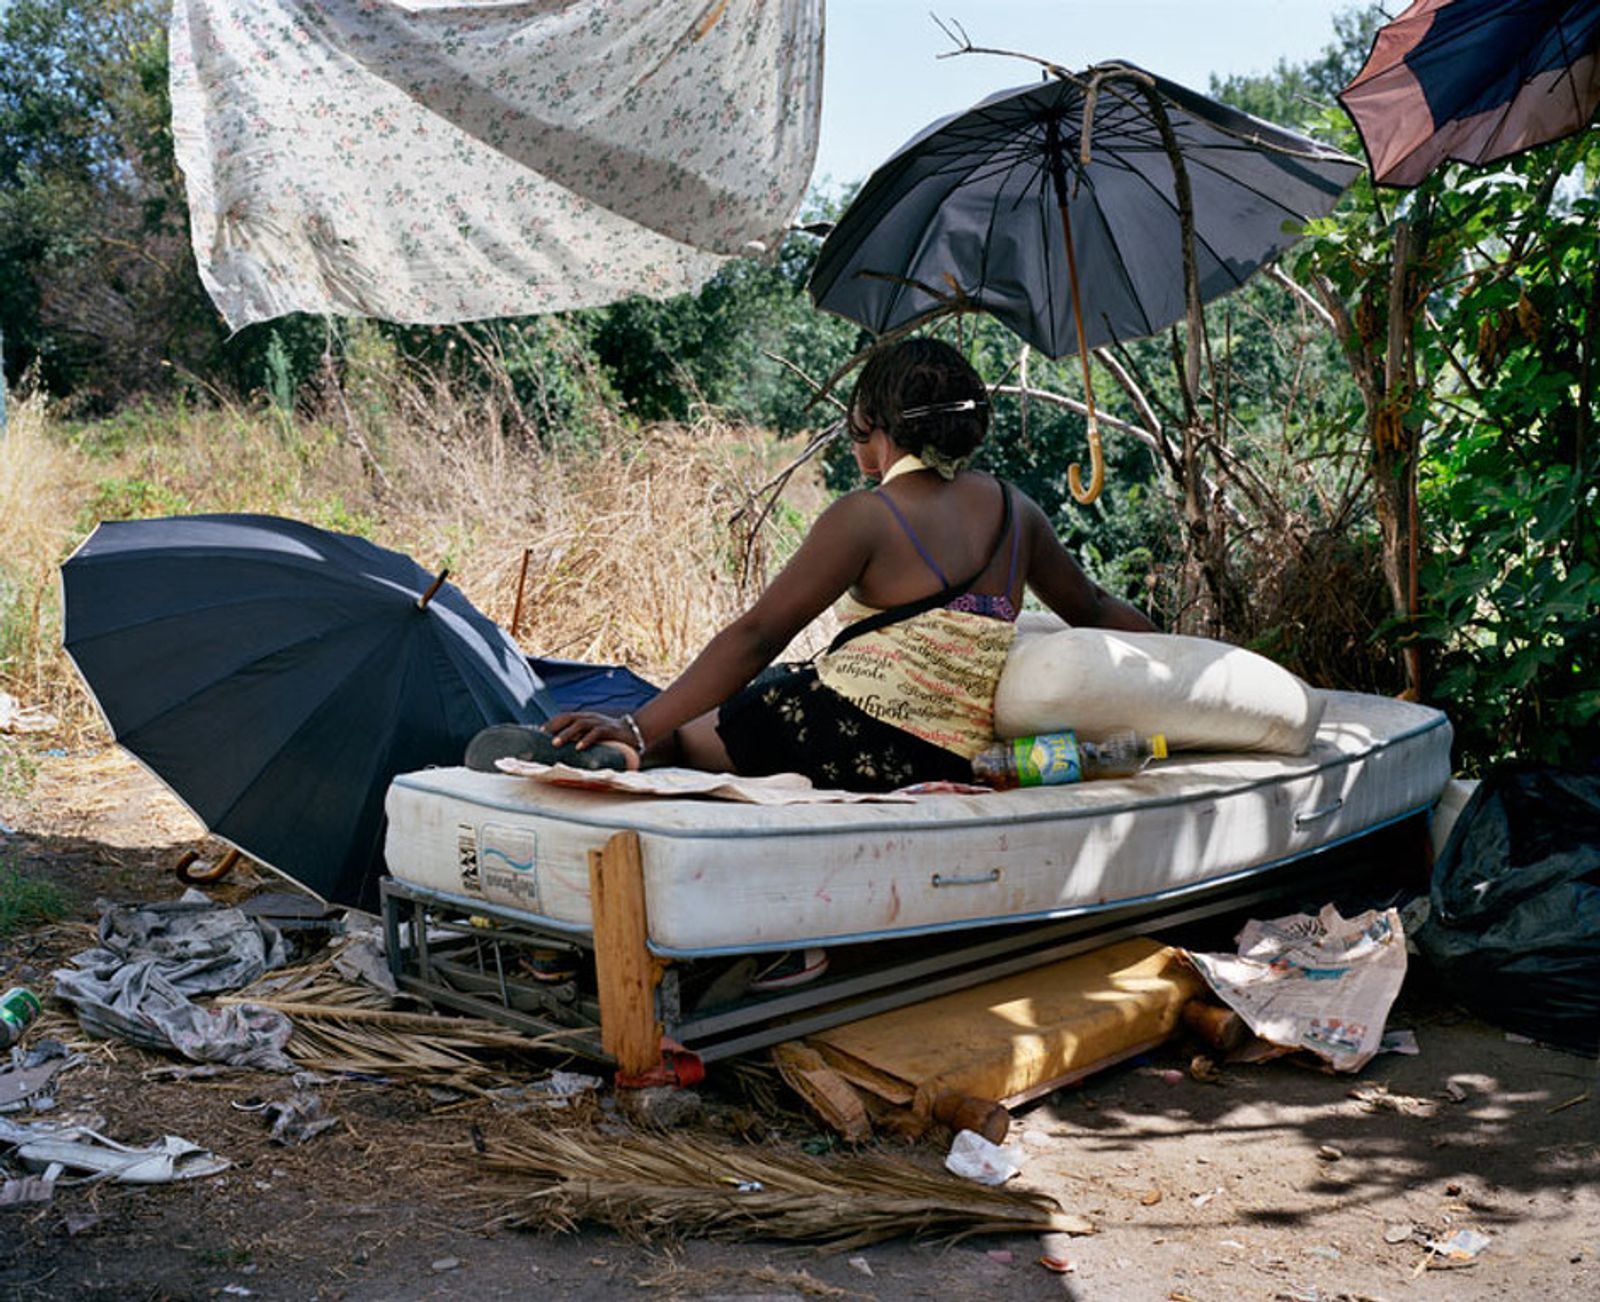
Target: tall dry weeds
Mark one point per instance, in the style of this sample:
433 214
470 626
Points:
630 556
41 484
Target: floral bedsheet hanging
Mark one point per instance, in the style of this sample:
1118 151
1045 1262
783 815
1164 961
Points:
432 161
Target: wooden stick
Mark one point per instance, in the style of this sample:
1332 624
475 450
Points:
1097 465
981 1116
522 579
426 597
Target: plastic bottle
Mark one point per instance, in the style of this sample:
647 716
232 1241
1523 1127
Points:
1052 758
18 1008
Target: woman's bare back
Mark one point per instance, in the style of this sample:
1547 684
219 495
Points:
959 524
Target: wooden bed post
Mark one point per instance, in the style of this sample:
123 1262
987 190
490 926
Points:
626 972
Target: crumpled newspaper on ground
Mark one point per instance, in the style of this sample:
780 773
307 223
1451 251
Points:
136 985
1324 983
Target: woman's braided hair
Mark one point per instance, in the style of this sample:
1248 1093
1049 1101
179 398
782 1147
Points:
899 381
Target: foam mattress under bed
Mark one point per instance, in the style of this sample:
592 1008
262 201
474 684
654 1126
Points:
722 877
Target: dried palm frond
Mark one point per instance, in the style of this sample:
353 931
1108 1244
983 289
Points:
337 1027
318 983
416 1046
647 1185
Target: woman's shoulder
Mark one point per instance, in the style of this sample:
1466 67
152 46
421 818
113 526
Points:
983 481
848 511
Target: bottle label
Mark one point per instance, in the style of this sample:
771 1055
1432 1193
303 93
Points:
18 1007
1047 760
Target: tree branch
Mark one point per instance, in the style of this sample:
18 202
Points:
817 390
1307 299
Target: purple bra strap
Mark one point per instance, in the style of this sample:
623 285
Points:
912 534
1016 540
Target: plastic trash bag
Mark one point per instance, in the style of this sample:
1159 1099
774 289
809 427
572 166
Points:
1514 927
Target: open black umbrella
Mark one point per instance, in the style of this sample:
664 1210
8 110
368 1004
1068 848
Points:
1057 208
277 676
1474 81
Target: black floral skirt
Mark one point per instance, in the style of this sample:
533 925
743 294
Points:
788 721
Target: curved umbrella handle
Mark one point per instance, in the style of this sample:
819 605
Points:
193 871
1097 465
1097 471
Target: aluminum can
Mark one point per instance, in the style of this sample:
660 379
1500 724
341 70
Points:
19 1007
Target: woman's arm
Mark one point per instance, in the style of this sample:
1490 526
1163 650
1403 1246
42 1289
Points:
1059 581
828 562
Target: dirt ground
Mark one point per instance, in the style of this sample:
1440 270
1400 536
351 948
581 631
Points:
1277 1182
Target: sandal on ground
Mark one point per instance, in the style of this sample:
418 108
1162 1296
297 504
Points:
792 968
525 741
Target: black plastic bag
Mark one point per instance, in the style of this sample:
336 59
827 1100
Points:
1514 928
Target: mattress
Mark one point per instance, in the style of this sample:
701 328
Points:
725 878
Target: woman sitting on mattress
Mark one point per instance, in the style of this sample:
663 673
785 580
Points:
929 570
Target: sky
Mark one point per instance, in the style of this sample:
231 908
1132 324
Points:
883 80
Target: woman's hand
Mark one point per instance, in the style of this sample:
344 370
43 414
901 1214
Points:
585 728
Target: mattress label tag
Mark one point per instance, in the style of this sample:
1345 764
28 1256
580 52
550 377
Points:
508 858
467 857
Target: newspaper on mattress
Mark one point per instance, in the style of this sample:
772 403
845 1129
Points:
723 877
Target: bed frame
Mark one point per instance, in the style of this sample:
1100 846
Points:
659 1019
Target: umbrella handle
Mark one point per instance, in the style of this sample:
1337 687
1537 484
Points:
1097 471
190 869
1097 465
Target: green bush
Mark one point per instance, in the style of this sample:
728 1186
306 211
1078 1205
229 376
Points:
133 498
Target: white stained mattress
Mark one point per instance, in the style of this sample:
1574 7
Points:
723 878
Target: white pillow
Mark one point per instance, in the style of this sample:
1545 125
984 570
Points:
1202 694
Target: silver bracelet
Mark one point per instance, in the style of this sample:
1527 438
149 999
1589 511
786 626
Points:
633 727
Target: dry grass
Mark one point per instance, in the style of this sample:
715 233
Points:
630 554
108 796
341 1026
41 484
659 1186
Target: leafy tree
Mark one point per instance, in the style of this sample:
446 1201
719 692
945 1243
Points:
722 345
1465 309
1510 588
93 231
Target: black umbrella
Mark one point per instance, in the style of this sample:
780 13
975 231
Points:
277 676
1474 81
1071 191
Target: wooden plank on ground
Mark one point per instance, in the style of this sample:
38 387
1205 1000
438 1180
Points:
1006 1039
829 1095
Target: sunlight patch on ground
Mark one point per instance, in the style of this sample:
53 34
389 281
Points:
106 795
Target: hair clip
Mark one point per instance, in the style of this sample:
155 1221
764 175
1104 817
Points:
943 408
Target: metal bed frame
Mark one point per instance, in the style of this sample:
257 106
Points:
662 1019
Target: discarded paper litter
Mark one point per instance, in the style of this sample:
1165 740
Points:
1322 983
17 717
974 1157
